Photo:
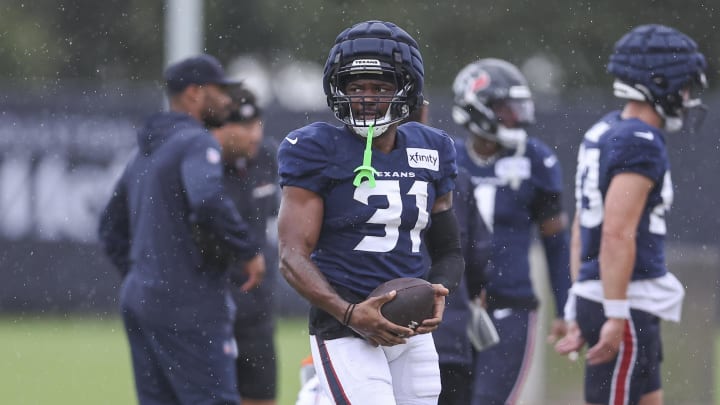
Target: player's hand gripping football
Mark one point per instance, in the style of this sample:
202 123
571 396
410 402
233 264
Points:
368 321
431 324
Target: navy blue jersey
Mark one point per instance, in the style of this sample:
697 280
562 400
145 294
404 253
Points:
613 146
511 193
252 185
370 235
169 197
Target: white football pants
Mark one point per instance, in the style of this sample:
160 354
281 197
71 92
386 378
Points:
353 372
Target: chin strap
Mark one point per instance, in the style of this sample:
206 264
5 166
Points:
366 171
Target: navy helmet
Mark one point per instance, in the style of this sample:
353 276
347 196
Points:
493 101
656 64
374 49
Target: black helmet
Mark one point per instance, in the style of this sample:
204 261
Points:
374 49
490 95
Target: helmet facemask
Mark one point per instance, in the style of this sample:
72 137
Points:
694 111
502 121
681 109
388 106
685 109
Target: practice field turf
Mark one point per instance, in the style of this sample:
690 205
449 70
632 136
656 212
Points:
82 361
86 361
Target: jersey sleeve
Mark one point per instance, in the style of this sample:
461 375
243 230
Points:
201 171
547 171
548 183
448 166
302 162
217 221
637 154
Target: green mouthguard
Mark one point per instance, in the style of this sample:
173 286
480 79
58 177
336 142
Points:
366 171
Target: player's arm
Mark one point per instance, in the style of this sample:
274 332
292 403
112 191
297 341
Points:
548 213
114 229
299 224
573 340
623 207
443 240
448 264
546 210
624 204
575 248
210 209
555 240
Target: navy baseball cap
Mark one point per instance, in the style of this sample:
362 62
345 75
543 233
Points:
201 69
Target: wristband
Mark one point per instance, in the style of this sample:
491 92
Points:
616 309
348 314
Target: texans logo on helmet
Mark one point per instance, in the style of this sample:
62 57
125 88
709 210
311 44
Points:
481 82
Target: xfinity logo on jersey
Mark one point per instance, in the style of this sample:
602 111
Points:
423 158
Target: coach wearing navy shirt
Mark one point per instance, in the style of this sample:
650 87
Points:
172 235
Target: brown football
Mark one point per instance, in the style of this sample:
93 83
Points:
412 304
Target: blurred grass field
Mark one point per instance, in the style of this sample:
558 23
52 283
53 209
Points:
86 361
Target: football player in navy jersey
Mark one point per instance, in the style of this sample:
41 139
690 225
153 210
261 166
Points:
454 347
359 202
623 190
250 181
518 187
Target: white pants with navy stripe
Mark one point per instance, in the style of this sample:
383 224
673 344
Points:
351 371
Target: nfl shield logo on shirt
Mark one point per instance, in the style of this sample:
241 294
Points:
230 348
212 155
423 158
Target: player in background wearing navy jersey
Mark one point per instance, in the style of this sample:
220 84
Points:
359 201
518 187
454 348
250 181
623 190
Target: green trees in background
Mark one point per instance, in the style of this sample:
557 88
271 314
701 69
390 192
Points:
123 39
